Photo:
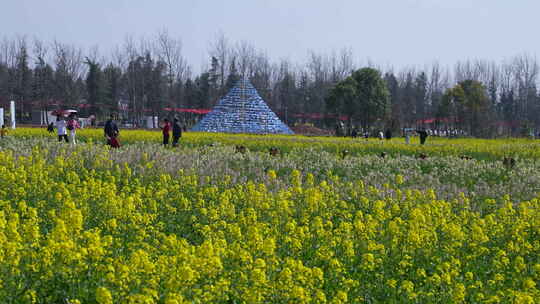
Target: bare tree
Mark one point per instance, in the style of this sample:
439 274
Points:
438 81
8 52
262 74
130 48
95 55
118 59
221 49
68 57
169 51
526 77
40 50
318 67
341 64
245 55
68 61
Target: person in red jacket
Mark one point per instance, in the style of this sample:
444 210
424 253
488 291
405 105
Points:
166 132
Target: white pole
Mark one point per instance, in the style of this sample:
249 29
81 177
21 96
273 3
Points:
1 117
12 110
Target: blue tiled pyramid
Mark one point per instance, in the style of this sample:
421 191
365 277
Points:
242 110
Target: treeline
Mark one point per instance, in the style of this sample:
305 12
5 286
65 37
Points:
144 76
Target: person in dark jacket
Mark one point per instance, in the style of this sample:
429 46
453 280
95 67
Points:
50 127
354 133
111 132
176 132
423 136
388 134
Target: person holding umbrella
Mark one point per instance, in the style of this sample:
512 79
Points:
72 126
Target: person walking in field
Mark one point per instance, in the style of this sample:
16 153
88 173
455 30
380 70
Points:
354 133
61 125
166 132
111 132
72 126
388 134
423 136
50 127
176 132
407 136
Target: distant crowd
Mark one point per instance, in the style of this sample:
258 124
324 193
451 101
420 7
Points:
110 130
407 133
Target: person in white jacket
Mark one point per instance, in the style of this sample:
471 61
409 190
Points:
60 125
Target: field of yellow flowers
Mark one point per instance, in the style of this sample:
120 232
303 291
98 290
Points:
493 149
204 224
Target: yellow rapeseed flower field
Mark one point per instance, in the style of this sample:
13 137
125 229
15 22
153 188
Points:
436 146
87 224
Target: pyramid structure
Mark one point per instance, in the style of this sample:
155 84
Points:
242 110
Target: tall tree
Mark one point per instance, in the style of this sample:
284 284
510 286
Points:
408 98
373 96
68 68
468 105
420 90
508 110
157 89
344 99
395 97
363 96
287 88
23 82
221 50
232 78
169 52
95 87
43 85
203 92
213 79
190 93
113 86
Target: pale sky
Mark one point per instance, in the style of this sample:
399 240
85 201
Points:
388 32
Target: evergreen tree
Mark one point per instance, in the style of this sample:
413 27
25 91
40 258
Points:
394 90
190 94
213 79
420 96
95 87
43 85
302 94
203 91
23 84
468 105
214 73
157 90
4 83
508 108
64 85
408 100
362 96
287 90
112 91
